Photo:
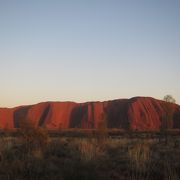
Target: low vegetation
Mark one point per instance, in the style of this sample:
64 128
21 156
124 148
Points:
33 155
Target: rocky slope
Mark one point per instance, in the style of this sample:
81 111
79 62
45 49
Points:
140 113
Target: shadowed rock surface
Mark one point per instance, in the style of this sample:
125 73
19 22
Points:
141 113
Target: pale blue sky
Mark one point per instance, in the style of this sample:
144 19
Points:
83 50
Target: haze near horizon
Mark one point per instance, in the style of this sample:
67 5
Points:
88 50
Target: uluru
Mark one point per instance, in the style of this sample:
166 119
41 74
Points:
140 113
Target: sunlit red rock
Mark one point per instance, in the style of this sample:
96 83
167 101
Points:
6 118
141 113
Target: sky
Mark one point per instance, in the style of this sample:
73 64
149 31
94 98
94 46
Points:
88 50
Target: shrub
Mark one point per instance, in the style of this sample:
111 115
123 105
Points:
32 137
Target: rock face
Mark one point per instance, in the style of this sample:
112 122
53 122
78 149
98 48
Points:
141 113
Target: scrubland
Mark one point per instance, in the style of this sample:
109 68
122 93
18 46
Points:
34 155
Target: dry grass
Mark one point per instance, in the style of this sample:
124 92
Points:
170 172
94 157
90 149
140 161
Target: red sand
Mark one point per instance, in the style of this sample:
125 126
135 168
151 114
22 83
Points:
142 113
